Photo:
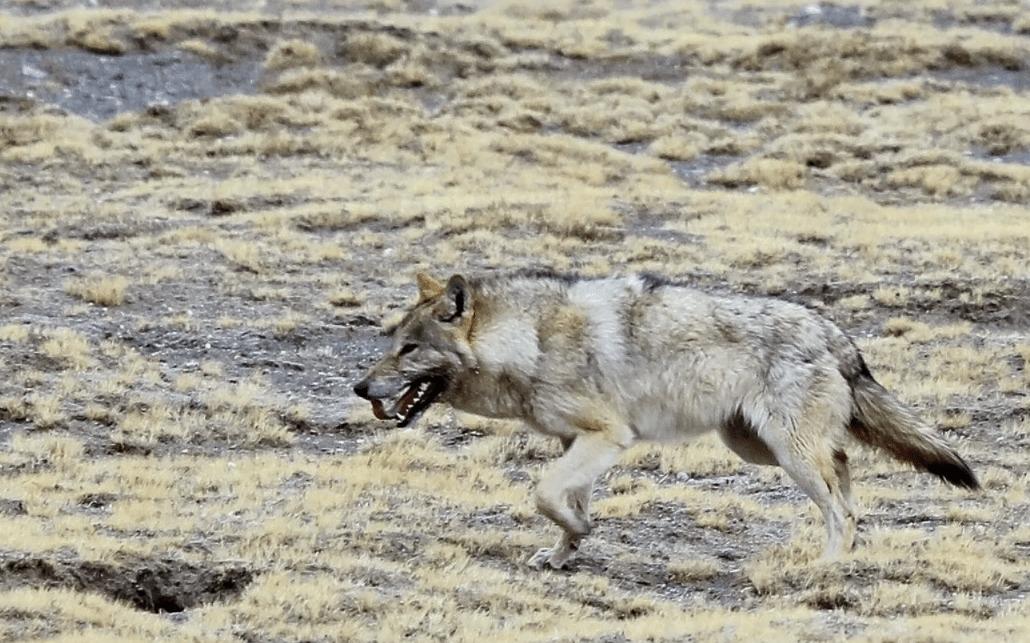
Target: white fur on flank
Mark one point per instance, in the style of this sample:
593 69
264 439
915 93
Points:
692 387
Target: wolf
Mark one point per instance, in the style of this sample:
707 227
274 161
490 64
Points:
604 363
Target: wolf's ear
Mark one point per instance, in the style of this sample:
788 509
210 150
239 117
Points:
458 298
427 286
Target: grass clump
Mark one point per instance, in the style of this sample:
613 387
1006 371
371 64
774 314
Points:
102 290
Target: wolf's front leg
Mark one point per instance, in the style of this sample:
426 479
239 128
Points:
564 494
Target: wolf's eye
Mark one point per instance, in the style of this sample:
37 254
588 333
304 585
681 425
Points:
407 348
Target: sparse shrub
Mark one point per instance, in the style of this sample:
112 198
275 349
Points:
67 347
935 180
14 333
378 49
409 73
201 48
692 570
894 296
1012 192
352 84
216 124
345 298
288 323
854 302
98 41
292 53
899 326
45 411
241 254
56 450
675 148
775 174
103 290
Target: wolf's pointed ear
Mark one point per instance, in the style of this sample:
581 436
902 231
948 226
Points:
458 298
427 286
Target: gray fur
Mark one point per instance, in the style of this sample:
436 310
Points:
604 363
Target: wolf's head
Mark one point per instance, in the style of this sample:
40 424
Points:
429 352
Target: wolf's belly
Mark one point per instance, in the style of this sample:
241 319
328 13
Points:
658 422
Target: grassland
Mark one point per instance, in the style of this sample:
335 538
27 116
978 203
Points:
206 217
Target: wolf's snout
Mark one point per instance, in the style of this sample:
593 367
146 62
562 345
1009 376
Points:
361 389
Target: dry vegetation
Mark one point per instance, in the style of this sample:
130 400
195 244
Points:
193 270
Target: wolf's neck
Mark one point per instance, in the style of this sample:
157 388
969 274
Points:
504 342
490 396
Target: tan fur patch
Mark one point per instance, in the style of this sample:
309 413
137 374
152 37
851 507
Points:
565 327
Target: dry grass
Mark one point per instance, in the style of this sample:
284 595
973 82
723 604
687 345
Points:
100 290
292 53
190 289
771 173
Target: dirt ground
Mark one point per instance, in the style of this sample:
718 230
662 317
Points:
207 216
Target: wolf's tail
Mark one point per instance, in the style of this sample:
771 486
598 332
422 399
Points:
880 420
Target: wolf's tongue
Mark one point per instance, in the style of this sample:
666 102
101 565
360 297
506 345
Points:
379 411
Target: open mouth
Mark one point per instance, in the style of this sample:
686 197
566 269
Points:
412 402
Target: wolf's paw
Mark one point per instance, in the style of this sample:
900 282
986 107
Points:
553 557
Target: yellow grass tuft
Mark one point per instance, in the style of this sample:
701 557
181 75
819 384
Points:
379 49
893 296
675 148
774 174
67 347
935 180
241 254
102 290
14 333
292 53
345 298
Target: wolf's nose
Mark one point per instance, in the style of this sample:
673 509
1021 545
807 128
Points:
361 389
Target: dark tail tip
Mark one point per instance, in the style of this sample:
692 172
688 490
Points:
957 473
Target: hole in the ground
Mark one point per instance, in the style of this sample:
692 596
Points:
152 585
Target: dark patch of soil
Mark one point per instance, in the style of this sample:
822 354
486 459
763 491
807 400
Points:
695 171
152 585
659 69
987 21
97 500
99 86
1018 80
9 507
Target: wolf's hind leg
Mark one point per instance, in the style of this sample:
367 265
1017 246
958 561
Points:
809 460
564 494
840 466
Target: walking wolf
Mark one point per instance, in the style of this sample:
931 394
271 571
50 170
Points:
604 363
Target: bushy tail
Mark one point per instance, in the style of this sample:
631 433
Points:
880 420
